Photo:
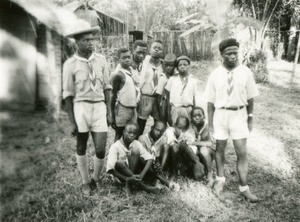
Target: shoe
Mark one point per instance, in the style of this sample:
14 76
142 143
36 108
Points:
93 184
218 186
86 189
249 196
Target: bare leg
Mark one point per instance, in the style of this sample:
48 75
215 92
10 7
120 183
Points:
220 157
164 156
207 154
242 162
99 139
175 158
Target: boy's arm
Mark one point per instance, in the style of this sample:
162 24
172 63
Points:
117 83
146 168
70 111
118 175
210 115
108 106
168 117
202 143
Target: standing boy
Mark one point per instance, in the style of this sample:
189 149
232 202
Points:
181 90
230 94
124 93
86 91
169 70
140 48
152 84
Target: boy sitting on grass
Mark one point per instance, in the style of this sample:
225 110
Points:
200 138
129 161
177 140
154 142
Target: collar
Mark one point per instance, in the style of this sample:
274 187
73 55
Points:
76 56
201 130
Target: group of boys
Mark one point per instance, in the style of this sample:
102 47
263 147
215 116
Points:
180 140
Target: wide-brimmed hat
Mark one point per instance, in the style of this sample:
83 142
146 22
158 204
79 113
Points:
82 27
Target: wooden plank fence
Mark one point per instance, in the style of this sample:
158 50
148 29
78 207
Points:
197 45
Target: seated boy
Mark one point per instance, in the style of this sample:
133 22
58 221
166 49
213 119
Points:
154 142
177 140
129 161
201 139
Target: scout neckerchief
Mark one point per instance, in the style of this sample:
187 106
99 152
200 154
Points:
92 74
198 135
184 83
230 84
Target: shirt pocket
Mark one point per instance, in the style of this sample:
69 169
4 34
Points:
221 89
80 80
242 89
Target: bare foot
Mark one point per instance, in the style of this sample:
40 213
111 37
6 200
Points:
149 189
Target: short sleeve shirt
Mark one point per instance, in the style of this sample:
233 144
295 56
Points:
147 83
202 135
244 87
118 152
153 147
86 79
182 93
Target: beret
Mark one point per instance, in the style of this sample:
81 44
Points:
170 58
227 43
183 57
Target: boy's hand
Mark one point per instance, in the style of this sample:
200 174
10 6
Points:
109 119
134 179
250 124
74 130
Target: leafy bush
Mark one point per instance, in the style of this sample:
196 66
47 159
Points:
257 62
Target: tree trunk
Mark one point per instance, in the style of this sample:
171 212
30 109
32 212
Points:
295 62
264 29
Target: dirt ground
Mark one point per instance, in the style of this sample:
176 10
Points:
40 181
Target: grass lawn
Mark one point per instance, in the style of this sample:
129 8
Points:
40 181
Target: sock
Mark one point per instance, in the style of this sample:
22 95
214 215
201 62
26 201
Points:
221 178
83 168
243 188
98 165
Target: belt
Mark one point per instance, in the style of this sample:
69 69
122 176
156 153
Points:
187 106
148 95
233 108
88 101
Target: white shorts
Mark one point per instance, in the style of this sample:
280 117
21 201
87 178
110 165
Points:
90 116
230 123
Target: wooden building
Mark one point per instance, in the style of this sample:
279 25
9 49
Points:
31 35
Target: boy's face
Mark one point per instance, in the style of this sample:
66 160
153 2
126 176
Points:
130 133
230 56
183 66
140 53
125 59
85 43
169 67
157 130
180 127
156 50
198 117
